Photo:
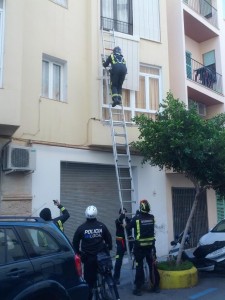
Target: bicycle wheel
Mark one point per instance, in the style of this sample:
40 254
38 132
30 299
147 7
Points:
105 288
110 288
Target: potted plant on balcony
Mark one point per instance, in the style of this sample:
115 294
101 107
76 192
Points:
181 140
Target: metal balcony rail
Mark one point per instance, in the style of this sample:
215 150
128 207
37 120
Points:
116 25
205 9
204 75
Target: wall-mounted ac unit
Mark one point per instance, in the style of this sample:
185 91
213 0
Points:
18 158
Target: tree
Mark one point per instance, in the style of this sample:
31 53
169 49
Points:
181 140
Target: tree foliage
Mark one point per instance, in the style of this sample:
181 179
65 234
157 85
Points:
181 140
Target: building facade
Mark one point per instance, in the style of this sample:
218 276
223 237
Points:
54 125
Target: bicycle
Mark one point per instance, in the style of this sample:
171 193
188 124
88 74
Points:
105 287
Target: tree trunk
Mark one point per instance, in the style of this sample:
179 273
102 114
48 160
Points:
197 195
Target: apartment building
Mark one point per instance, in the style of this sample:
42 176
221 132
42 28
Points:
55 137
196 46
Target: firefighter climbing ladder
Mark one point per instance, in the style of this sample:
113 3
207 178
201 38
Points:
121 151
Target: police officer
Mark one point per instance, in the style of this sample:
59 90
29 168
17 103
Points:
144 246
89 239
118 72
47 216
121 243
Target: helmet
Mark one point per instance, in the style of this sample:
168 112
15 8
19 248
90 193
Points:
91 212
45 214
145 206
117 50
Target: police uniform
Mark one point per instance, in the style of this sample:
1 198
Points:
120 244
94 237
144 247
117 75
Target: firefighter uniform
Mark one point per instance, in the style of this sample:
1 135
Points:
89 239
144 247
58 221
120 245
118 73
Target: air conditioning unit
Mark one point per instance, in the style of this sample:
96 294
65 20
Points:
18 158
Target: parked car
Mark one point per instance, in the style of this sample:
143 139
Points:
217 233
37 262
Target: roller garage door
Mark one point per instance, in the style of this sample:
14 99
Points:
90 184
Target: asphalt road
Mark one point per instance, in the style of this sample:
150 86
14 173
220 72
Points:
210 286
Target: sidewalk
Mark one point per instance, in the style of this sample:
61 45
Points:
210 287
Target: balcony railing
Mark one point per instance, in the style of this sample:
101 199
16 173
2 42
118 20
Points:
205 9
204 75
119 26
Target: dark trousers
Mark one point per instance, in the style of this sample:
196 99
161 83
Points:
90 272
140 253
120 250
117 77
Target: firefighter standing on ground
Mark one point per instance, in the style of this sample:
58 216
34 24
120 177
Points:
91 238
120 243
118 72
144 247
47 215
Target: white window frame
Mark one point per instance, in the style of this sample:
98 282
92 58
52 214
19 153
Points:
63 3
63 77
132 109
2 33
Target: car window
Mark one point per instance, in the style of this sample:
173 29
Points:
10 247
2 247
220 227
39 242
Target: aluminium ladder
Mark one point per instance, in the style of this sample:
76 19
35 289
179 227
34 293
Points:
121 151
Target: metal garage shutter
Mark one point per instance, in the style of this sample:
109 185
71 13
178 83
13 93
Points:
90 184
182 202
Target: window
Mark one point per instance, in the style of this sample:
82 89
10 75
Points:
38 242
1 38
53 78
63 3
209 59
220 205
206 8
10 247
188 65
117 15
145 101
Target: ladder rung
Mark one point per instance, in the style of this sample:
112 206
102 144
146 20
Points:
122 154
129 201
127 190
118 122
125 178
123 166
120 145
120 134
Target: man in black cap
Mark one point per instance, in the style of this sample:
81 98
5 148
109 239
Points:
47 215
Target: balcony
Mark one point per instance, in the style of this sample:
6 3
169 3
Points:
204 75
116 25
204 9
200 20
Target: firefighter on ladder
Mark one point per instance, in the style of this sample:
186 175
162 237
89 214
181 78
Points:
118 73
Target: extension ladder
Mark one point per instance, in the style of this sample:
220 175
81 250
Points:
121 151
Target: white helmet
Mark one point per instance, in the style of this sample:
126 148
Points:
91 212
